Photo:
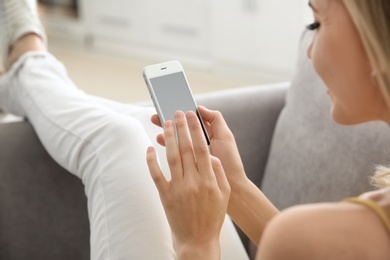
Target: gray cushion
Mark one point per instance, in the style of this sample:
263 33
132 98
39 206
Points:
43 209
312 158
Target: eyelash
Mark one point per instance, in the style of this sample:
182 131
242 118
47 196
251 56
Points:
313 26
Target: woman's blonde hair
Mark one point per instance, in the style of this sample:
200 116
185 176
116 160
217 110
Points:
372 20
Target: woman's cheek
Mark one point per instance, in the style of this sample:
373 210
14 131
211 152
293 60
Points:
318 61
321 56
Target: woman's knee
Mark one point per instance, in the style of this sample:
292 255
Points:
115 141
124 131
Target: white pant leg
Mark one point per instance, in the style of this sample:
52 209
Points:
105 149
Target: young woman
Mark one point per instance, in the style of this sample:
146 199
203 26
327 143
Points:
351 53
101 142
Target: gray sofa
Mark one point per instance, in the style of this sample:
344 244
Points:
290 146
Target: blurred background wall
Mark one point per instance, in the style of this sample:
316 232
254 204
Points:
221 43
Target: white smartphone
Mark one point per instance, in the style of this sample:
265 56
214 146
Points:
169 90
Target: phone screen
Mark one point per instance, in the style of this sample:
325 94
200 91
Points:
172 94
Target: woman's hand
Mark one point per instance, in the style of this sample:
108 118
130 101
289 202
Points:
222 145
196 198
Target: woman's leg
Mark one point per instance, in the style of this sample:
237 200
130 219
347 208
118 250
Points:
104 148
18 19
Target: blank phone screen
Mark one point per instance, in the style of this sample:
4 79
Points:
172 93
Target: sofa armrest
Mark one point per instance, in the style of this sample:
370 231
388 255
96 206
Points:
251 113
43 209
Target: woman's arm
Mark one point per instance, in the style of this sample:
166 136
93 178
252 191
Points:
325 231
251 210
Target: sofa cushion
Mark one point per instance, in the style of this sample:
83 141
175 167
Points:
312 158
43 209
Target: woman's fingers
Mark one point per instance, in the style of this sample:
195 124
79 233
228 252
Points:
215 121
160 139
156 120
192 154
220 176
196 205
173 154
200 147
155 171
185 143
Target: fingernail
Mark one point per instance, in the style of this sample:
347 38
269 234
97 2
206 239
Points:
150 149
179 114
191 115
168 123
